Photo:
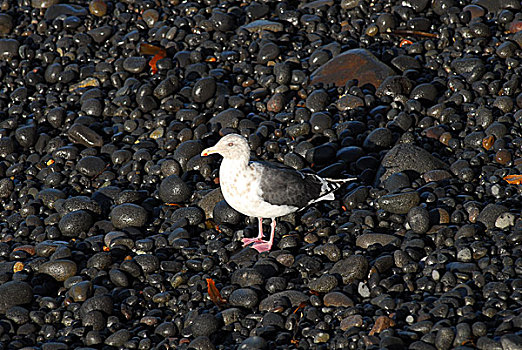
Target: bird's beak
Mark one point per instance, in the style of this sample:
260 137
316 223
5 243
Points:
208 151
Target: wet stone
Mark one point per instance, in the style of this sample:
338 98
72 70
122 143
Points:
204 325
244 297
91 166
368 239
173 190
204 89
8 48
261 24
57 10
60 270
13 293
128 215
6 23
135 64
75 223
351 268
399 203
409 157
225 214
323 284
378 139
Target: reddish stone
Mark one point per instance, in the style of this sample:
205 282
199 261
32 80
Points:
358 64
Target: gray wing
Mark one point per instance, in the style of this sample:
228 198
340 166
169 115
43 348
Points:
287 186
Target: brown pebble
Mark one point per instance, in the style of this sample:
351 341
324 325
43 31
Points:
436 175
487 142
434 132
515 26
351 321
276 103
98 8
445 138
503 156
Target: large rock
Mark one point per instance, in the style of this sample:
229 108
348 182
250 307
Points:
357 64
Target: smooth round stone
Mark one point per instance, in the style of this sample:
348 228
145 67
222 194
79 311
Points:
100 34
43 4
268 52
14 293
368 239
488 216
186 150
149 263
317 101
424 91
8 48
173 190
91 166
229 118
26 135
419 220
253 342
128 214
399 203
323 284
222 21
81 291
204 89
18 314
150 17
135 64
6 23
49 196
352 268
320 122
397 182
205 325
165 88
92 106
243 297
60 270
337 299
118 338
194 215
246 277
276 103
6 187
56 10
98 8
378 139
74 223
202 343
225 214
83 135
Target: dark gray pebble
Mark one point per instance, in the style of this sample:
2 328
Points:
173 190
351 268
13 293
60 270
135 64
399 203
74 223
128 215
223 213
244 297
204 325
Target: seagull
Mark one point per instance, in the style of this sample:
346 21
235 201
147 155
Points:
266 190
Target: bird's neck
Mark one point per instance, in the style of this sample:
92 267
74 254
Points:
239 163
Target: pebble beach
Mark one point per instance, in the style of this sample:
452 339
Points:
114 233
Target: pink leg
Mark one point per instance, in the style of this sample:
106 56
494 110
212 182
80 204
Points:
259 238
265 246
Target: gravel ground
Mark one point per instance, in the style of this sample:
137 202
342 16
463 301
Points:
113 231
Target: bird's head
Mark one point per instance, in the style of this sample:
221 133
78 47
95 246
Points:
230 146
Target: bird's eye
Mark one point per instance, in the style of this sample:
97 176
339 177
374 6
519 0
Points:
231 144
